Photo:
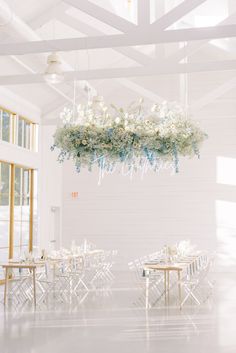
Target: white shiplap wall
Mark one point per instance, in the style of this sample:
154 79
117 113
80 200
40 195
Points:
137 217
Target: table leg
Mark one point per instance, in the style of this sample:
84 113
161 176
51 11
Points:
147 289
6 286
168 286
165 287
53 278
34 287
179 287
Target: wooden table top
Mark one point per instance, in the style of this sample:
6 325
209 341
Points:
22 264
164 267
175 266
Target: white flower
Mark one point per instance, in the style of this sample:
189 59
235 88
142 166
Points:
117 120
167 123
154 108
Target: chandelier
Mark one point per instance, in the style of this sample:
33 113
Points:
137 138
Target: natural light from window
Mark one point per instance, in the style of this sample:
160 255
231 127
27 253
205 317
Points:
226 170
226 233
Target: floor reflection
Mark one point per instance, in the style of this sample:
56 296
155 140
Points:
108 320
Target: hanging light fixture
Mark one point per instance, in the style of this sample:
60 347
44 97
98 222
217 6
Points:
53 73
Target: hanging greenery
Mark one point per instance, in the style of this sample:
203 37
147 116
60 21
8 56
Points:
95 134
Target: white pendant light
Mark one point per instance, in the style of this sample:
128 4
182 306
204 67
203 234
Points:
53 73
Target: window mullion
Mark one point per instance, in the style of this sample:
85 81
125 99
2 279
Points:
1 124
12 198
31 223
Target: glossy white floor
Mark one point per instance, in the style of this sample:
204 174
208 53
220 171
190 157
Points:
109 321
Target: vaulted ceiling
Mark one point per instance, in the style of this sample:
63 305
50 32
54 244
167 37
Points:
180 50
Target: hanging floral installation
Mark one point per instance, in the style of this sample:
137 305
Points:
134 139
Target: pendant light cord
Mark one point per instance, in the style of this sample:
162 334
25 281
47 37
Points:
88 69
186 80
75 86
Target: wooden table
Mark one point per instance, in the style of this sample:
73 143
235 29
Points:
166 268
177 267
19 265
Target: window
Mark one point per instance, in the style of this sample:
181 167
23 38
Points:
4 211
21 211
26 134
5 126
226 170
18 210
18 130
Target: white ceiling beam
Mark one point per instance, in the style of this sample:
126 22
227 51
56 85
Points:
191 48
61 93
214 94
143 10
21 62
49 122
164 69
135 55
78 25
53 106
21 29
143 92
46 14
102 15
176 13
120 40
84 28
57 103
131 53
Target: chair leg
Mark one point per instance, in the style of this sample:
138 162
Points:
6 286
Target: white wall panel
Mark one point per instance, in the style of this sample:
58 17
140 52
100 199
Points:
50 189
138 216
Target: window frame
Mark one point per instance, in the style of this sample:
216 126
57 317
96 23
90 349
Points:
13 130
12 206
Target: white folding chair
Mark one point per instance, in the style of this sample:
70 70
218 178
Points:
196 280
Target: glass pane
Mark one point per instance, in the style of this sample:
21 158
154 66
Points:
35 192
4 234
25 213
27 135
26 187
25 132
5 179
20 252
3 258
4 212
35 233
6 126
20 132
22 194
4 191
21 234
21 210
0 124
36 137
35 216
18 178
